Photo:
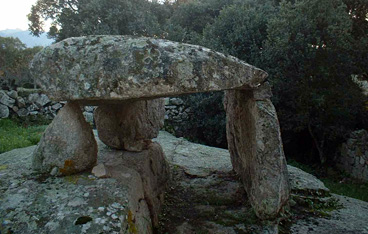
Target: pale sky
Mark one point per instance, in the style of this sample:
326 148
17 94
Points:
13 13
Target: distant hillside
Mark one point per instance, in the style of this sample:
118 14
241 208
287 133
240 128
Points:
27 38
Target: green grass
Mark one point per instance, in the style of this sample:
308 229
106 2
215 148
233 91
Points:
354 189
338 182
15 135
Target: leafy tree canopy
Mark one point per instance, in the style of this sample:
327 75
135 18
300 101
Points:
14 59
85 17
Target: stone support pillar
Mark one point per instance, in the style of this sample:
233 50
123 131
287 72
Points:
68 145
255 145
130 125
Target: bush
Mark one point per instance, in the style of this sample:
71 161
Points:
207 125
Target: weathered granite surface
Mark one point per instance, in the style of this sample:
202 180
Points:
94 69
68 145
152 167
206 197
74 204
300 181
255 145
130 125
33 204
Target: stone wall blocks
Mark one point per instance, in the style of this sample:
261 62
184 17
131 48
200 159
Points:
4 111
6 100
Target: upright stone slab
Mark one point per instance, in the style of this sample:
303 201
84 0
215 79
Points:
152 167
68 145
256 151
130 125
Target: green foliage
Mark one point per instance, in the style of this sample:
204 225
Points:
307 55
14 60
335 180
240 29
354 189
13 135
86 17
208 122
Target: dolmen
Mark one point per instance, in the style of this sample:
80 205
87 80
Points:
127 77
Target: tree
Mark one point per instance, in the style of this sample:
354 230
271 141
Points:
72 18
358 12
308 56
189 19
241 29
14 60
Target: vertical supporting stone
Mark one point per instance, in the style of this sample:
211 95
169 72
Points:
130 125
152 167
68 145
256 150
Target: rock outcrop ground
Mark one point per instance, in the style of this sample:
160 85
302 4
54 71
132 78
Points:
205 196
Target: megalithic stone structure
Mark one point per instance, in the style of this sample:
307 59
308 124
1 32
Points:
124 75
256 150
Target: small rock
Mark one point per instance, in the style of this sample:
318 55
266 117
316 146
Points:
176 101
101 209
54 171
116 205
15 108
4 111
13 94
21 102
39 99
100 171
88 116
89 108
362 161
6 100
56 106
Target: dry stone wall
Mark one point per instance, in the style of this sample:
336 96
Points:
24 102
353 158
177 115
31 102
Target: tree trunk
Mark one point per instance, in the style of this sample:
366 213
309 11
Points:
322 156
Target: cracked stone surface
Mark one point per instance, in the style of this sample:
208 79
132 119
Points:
130 125
206 196
81 203
100 69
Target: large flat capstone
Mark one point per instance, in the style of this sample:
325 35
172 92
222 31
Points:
98 69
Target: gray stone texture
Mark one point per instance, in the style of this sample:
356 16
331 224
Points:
303 182
25 102
209 179
130 125
4 111
95 69
152 167
6 100
353 158
38 99
256 151
68 144
35 204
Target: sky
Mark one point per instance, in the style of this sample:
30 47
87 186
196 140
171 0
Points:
13 13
